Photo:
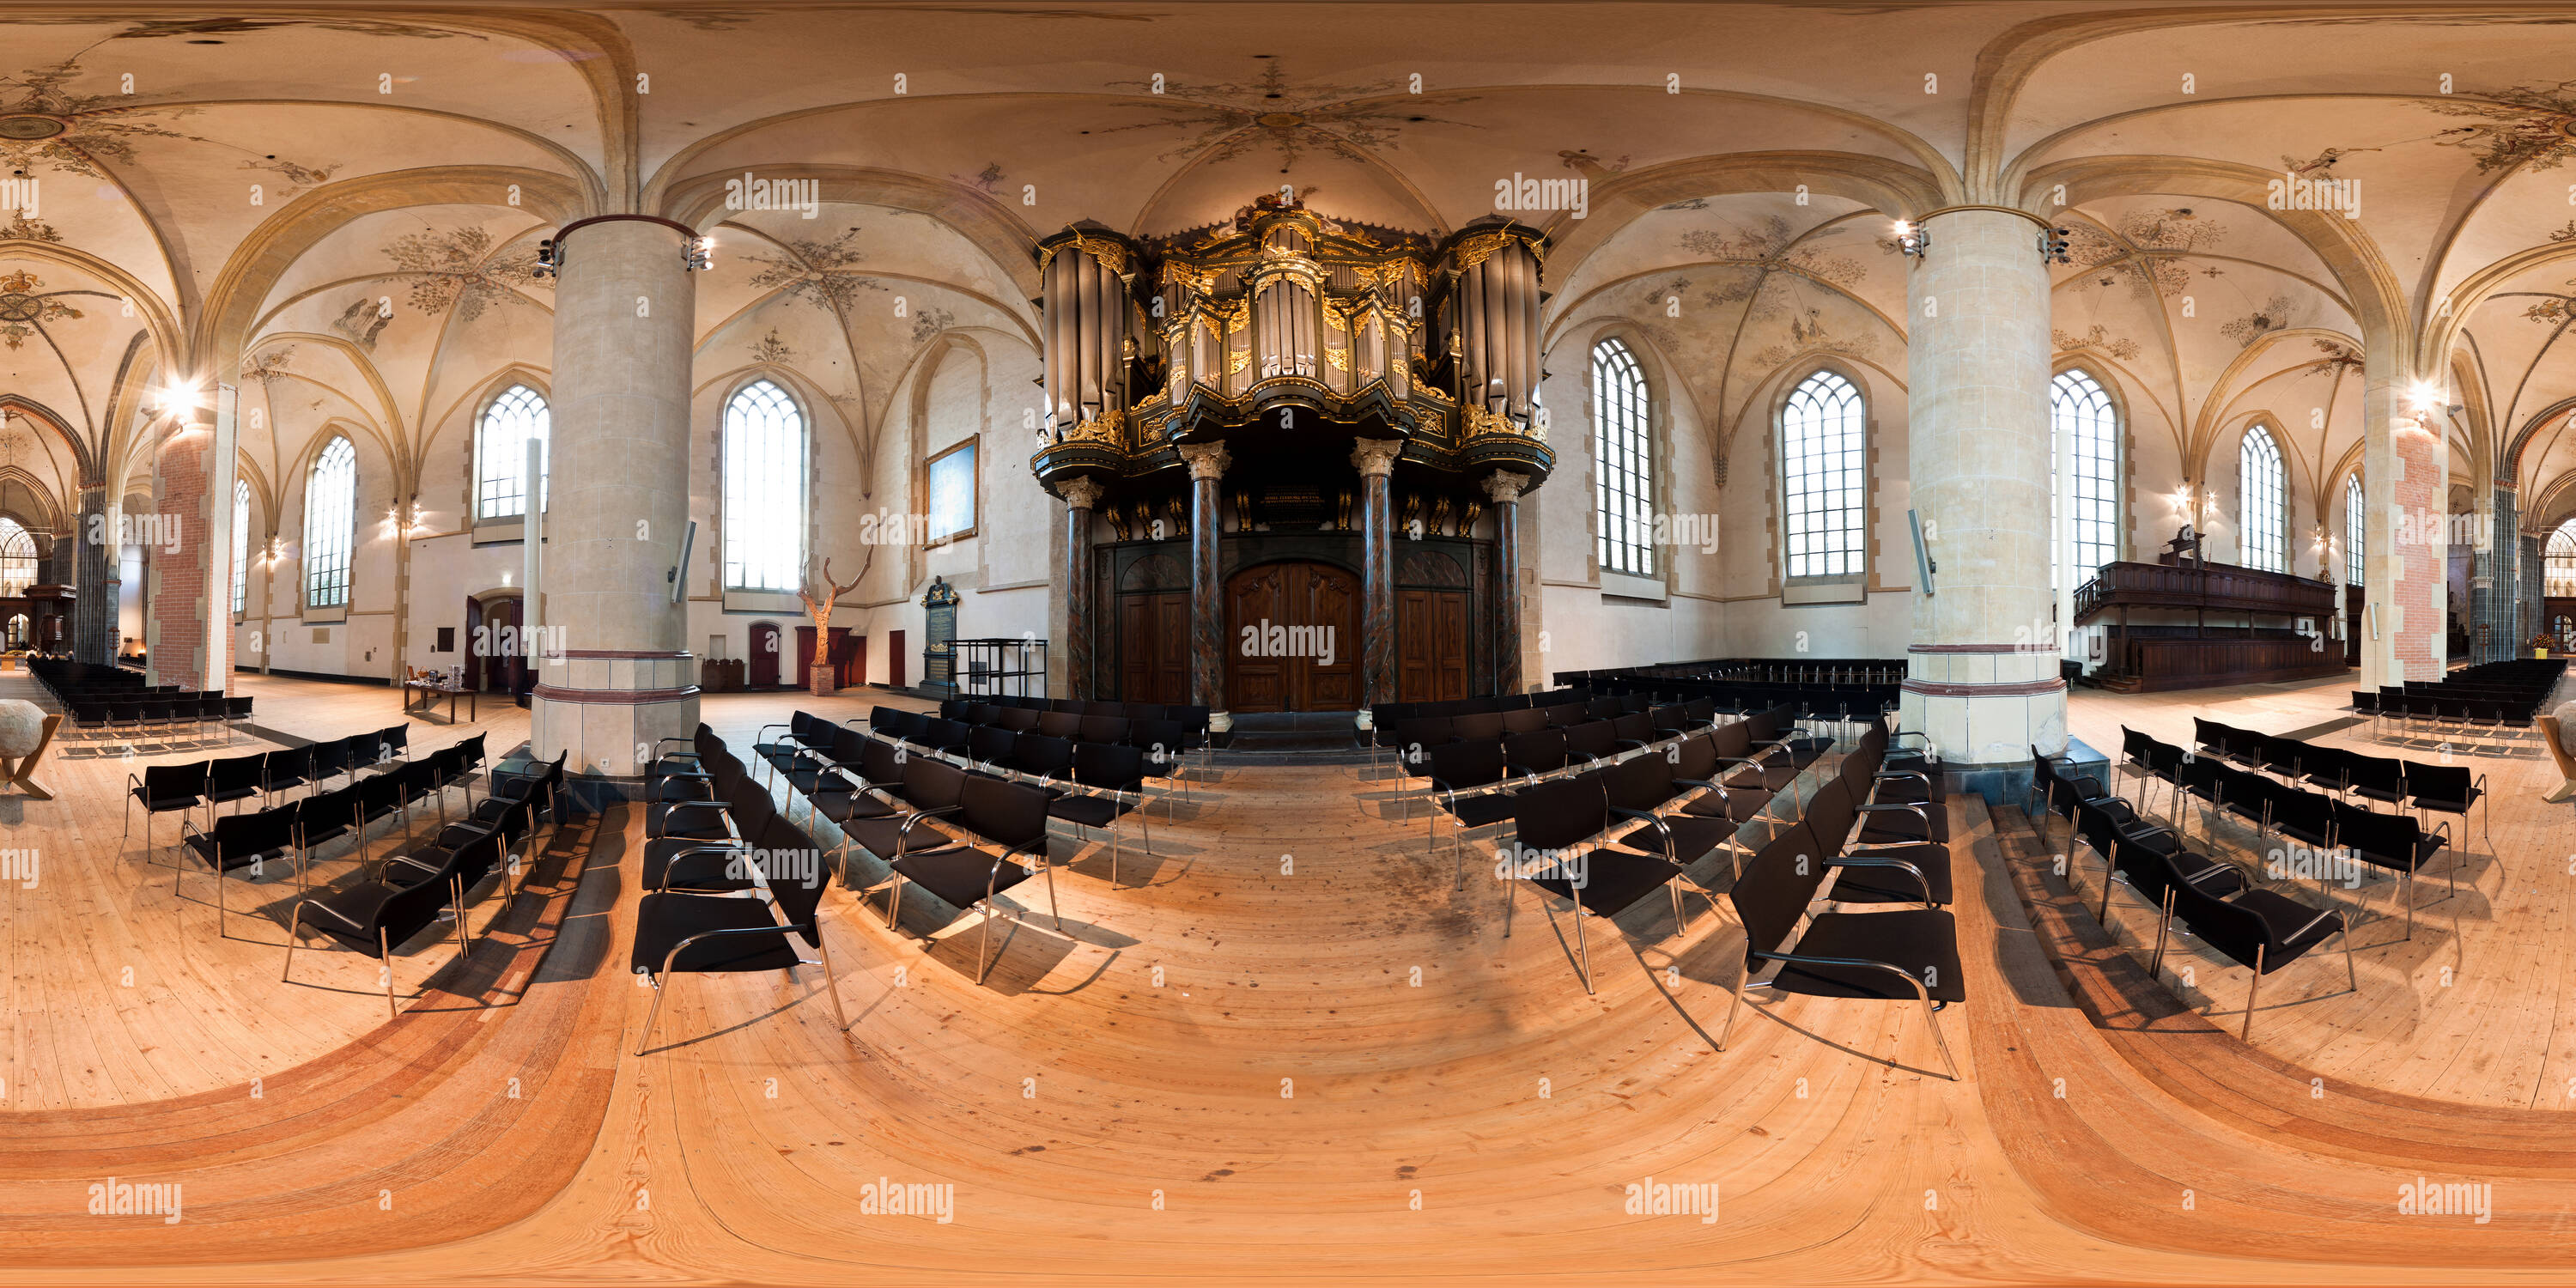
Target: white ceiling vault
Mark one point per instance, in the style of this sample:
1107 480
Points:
240 197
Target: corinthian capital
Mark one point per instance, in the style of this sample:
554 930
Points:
1375 457
1080 494
1206 460
1504 487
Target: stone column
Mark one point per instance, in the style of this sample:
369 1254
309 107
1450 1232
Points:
1080 630
1503 488
94 579
2405 538
187 612
1982 671
1375 460
2496 578
615 673
1207 462
2534 607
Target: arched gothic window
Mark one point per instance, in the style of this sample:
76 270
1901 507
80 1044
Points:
501 453
241 543
1623 484
2261 503
330 525
2080 409
764 490
1824 477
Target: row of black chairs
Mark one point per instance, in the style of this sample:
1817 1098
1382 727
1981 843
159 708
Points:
2489 697
176 789
1473 780
1110 757
1588 731
2397 842
135 717
2440 789
1384 715
1168 735
1786 670
409 889
845 774
2219 903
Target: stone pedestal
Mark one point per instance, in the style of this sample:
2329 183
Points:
614 674
1375 460
1982 676
1207 462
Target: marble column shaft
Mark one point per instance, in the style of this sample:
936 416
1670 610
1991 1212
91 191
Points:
1504 488
614 674
1080 628
1207 462
187 617
1375 460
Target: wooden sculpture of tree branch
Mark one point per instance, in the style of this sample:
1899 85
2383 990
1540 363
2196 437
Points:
824 675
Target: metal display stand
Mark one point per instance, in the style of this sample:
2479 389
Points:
997 668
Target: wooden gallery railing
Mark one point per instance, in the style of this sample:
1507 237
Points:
2198 656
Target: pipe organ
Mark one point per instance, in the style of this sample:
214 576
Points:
1339 383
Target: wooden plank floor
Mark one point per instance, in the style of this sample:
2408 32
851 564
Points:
1283 1047
2463 1011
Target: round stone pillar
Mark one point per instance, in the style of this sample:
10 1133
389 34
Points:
614 676
1982 671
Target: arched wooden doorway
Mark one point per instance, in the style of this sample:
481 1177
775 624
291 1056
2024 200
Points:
495 655
763 671
1292 638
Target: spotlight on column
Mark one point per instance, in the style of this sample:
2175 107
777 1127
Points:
549 258
1912 240
2052 246
700 254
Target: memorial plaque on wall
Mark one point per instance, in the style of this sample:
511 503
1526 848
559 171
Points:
939 635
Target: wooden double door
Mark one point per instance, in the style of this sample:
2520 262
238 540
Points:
1430 645
1292 639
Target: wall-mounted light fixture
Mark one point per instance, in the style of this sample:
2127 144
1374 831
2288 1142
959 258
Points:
2052 246
1912 239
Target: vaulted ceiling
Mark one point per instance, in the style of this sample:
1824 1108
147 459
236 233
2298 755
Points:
336 208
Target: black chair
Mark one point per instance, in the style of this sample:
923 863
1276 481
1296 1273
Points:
2327 767
1010 819
284 769
322 817
2449 789
2397 843
1470 782
1112 778
1896 955
236 714
238 841
2259 930
373 916
329 760
1637 788
2378 778
931 789
677 932
1166 747
1041 757
234 778
463 867
163 789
